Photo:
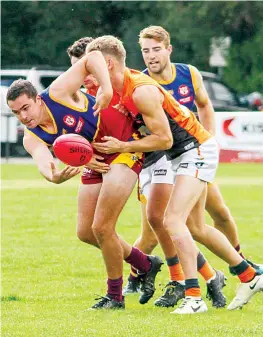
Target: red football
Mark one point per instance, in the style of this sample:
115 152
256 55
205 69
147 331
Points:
73 150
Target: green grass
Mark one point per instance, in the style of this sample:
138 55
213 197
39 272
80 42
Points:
49 278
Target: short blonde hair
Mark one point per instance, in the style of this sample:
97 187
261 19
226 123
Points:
108 44
157 33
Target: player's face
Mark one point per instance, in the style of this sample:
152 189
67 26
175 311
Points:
155 55
27 110
90 81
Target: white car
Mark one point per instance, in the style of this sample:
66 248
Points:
40 77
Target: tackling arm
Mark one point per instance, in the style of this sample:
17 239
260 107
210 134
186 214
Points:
68 83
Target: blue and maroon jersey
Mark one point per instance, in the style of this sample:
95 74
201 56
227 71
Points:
182 84
70 119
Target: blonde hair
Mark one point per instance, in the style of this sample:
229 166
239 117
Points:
157 33
108 44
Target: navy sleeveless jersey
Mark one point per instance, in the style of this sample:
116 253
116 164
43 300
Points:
68 119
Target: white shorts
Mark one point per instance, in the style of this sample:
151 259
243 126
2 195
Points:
200 162
158 173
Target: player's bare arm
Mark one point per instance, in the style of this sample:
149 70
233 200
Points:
97 164
67 84
148 100
45 161
204 106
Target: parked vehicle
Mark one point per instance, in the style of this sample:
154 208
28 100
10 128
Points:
223 98
41 77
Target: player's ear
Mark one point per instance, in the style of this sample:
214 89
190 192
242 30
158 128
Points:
38 99
110 63
170 49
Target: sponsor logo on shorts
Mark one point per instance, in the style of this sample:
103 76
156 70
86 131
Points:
160 172
189 146
183 90
183 165
69 120
199 164
86 171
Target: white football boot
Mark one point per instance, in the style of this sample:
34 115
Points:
245 291
191 305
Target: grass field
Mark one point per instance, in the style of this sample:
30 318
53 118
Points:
50 279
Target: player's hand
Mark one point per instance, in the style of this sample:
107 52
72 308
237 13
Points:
59 176
122 109
111 145
95 164
102 101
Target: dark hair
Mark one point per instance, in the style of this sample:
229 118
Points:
20 87
77 49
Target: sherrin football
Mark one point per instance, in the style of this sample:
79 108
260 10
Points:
73 150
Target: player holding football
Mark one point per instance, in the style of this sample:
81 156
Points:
175 288
63 108
147 101
185 83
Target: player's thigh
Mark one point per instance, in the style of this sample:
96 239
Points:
185 194
116 188
87 201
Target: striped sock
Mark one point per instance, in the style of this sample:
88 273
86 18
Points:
175 269
204 268
192 288
244 272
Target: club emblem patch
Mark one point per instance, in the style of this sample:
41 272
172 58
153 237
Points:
69 120
183 90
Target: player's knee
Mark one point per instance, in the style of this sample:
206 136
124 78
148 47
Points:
155 219
221 214
102 231
86 236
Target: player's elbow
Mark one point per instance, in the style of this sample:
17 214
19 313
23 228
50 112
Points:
167 141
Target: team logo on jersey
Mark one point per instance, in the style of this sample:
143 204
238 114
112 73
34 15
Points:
69 120
183 90
79 125
189 146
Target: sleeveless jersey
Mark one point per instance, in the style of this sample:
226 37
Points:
182 87
187 132
69 119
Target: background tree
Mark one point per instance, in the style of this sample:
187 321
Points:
39 32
